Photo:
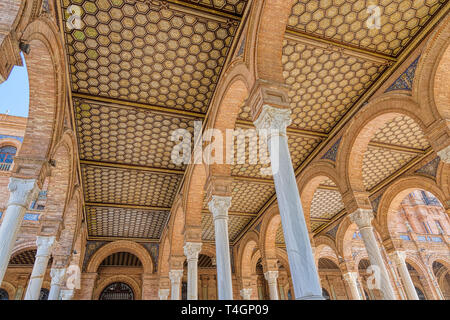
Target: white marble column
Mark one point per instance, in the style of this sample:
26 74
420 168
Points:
399 259
22 192
57 275
246 293
175 280
219 206
271 277
351 278
44 245
191 251
66 294
305 278
163 294
363 219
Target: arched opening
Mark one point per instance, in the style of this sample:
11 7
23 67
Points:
416 277
117 291
422 214
261 283
4 294
420 294
331 278
368 281
441 272
325 294
43 295
14 92
7 154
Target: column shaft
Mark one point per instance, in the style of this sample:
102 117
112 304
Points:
301 260
57 278
192 250
175 279
350 278
219 208
21 193
363 219
271 277
44 245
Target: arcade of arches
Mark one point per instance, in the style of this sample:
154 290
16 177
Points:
93 207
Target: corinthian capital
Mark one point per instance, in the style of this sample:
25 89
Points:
219 206
191 250
271 276
44 245
362 218
272 118
350 277
57 275
444 154
21 191
175 276
398 257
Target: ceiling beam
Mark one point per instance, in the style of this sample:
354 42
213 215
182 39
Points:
393 147
126 206
298 35
289 130
199 9
130 167
131 104
143 240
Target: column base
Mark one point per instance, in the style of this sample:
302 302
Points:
310 298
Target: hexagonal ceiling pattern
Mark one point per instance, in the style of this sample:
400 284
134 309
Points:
150 52
122 134
353 22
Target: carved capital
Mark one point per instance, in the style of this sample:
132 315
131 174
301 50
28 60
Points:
44 245
399 257
67 294
192 250
362 218
268 92
350 277
271 276
246 293
219 206
22 191
175 276
163 294
273 119
444 154
57 275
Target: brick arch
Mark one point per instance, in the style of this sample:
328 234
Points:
118 278
121 246
208 250
344 236
269 227
362 129
10 289
268 20
164 254
394 195
193 203
444 260
45 64
283 258
254 260
6 142
176 230
24 246
248 245
310 179
430 86
225 115
61 175
420 268
322 242
71 223
443 177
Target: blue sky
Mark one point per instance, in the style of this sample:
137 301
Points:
14 92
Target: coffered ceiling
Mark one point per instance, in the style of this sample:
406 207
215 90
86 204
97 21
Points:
141 69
